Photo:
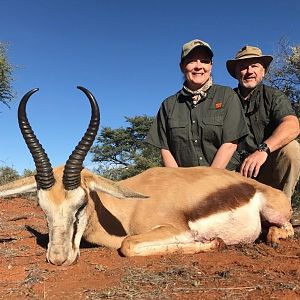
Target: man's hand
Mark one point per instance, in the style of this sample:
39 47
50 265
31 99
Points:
251 165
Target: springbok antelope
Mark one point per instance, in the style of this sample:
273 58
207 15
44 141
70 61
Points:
162 210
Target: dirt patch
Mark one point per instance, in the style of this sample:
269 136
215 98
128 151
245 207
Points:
241 272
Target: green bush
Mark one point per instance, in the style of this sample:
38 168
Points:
8 174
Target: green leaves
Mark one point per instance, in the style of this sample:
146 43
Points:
284 72
8 174
6 91
122 152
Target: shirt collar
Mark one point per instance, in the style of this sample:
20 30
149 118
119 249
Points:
251 104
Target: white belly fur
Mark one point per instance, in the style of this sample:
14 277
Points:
241 225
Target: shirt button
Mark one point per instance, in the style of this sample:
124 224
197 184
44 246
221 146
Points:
193 121
200 158
196 141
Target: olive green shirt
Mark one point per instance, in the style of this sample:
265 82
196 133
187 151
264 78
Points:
264 110
194 133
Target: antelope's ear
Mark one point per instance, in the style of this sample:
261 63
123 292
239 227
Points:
20 186
100 184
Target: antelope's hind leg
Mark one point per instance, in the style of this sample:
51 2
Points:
276 233
166 239
277 210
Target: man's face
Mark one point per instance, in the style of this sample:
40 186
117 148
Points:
249 73
196 68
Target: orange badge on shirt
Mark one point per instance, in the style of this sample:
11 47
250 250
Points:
218 105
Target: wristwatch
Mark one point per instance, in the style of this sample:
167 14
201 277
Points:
263 147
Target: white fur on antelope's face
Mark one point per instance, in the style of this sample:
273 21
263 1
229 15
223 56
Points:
67 221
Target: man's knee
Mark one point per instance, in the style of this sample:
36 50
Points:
291 153
288 167
282 168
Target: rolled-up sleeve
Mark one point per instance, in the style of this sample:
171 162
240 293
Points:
281 107
157 135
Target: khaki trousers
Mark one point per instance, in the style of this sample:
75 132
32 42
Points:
282 168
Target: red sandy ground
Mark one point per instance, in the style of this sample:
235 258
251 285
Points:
255 271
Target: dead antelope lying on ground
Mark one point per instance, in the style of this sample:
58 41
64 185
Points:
162 210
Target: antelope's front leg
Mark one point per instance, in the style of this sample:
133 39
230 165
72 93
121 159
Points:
166 239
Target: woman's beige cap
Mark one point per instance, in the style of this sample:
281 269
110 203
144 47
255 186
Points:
245 53
189 46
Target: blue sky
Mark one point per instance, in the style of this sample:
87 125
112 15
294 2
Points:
125 52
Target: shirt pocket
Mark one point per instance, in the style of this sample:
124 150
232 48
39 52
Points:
178 130
213 120
213 129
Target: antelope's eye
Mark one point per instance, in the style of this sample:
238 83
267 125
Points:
80 209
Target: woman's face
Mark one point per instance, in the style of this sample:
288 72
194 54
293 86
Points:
196 68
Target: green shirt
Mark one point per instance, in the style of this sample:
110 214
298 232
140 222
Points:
194 133
264 110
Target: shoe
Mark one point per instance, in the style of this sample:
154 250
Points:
295 220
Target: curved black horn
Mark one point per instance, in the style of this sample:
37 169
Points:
44 176
73 167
